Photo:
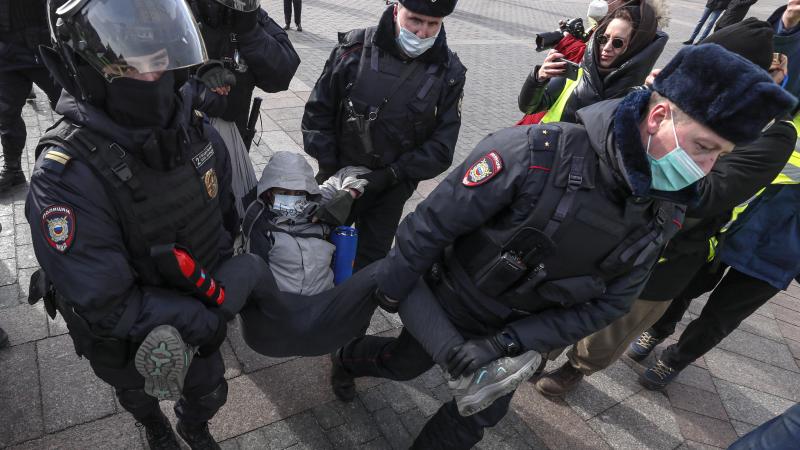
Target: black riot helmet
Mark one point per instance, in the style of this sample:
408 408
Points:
121 38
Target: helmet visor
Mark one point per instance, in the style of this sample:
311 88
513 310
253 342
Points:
241 5
133 37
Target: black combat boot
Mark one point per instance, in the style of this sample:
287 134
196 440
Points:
11 175
159 433
343 384
197 436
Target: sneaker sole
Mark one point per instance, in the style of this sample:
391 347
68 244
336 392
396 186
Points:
477 402
163 361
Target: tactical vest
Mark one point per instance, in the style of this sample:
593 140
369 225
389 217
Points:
389 109
576 239
557 110
179 206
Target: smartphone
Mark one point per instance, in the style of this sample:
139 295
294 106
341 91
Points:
571 70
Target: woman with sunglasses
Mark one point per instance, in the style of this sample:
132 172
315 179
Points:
626 45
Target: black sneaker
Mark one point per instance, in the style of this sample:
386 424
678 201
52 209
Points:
658 376
641 347
159 433
197 436
343 384
163 360
299 28
475 392
3 338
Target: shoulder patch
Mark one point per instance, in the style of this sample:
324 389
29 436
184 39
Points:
58 226
57 156
483 170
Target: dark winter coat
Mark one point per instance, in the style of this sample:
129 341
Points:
715 5
788 43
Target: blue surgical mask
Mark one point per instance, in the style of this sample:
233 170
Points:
412 45
289 205
675 170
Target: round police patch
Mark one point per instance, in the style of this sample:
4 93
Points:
58 226
483 170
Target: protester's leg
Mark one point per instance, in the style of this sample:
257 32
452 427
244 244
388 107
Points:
712 19
287 12
706 279
376 218
737 297
781 432
401 358
42 78
204 391
298 8
700 23
14 89
448 429
599 350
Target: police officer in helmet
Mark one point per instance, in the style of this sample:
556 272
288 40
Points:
547 233
389 99
23 27
129 175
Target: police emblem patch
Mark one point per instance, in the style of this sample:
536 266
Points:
483 170
210 180
58 226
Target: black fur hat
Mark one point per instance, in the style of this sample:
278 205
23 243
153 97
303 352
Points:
435 8
723 91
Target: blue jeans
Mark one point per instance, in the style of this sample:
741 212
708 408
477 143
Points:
779 433
709 15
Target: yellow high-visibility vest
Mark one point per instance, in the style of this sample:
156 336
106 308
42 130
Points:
555 111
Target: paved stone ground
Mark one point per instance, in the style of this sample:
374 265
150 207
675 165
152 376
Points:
50 399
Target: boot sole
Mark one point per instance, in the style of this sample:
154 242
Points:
477 402
162 359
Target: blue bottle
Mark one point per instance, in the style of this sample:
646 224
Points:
346 241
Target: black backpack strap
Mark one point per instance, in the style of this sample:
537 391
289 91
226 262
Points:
251 215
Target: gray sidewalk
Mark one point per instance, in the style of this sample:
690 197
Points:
50 399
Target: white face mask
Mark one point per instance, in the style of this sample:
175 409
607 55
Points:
289 205
412 45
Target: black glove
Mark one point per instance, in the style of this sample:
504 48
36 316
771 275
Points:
242 22
379 180
215 341
469 356
324 173
337 209
213 74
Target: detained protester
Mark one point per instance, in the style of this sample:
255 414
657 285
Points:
622 53
733 180
513 274
23 27
250 50
389 99
131 182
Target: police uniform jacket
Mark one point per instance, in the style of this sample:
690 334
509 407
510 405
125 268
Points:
79 240
418 136
270 58
510 193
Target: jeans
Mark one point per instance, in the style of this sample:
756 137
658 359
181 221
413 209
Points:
709 15
778 433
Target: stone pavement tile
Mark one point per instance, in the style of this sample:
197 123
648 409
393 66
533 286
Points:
753 374
554 421
7 223
116 432
413 420
789 331
25 257
760 349
603 390
289 101
704 429
644 420
422 397
762 326
786 300
280 141
378 324
375 444
9 295
696 400
24 281
793 290
22 234
525 435
232 367
373 399
8 271
21 413
292 127
787 315
230 444
272 394
397 396
742 428
749 405
392 429
7 247
24 323
303 95
57 326
71 392
6 209
249 359
295 113
308 432
275 436
692 445
329 415
794 347
359 427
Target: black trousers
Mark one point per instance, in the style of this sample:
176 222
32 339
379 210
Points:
204 391
733 299
14 89
734 13
377 216
287 11
404 358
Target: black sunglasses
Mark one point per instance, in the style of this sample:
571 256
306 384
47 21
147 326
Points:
617 43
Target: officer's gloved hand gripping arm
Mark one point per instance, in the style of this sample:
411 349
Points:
92 268
267 50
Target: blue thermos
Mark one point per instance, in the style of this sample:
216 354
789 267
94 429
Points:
346 241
